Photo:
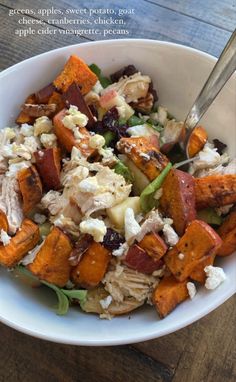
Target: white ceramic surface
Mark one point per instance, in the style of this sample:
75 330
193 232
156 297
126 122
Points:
178 73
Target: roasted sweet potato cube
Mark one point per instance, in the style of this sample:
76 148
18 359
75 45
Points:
48 163
153 245
168 294
23 117
227 232
3 221
56 98
52 261
178 199
199 240
215 191
196 141
30 187
137 259
198 274
25 239
76 70
144 154
92 266
66 136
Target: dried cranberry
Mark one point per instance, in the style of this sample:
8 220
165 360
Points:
112 240
110 122
128 70
220 146
153 92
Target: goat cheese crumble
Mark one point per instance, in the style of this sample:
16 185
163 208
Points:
4 237
74 118
215 276
105 302
132 228
94 227
191 290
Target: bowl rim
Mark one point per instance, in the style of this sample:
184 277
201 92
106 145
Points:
141 337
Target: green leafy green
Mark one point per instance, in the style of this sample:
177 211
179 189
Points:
64 296
109 136
79 294
209 216
95 69
103 80
134 121
147 200
158 127
121 169
122 121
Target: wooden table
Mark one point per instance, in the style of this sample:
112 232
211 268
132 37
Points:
202 352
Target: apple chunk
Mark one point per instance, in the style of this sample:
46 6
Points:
138 260
48 163
117 213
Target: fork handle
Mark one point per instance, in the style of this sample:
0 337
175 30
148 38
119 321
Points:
222 71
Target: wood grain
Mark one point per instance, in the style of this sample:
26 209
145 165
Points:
215 12
160 23
202 352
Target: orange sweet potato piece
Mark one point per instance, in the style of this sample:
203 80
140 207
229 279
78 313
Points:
66 136
56 98
3 221
196 141
199 240
215 191
25 239
23 117
30 187
92 266
52 261
168 294
136 148
153 245
178 199
198 274
76 70
48 163
227 232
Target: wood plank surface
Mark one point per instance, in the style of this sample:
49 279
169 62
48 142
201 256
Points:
160 23
215 12
206 350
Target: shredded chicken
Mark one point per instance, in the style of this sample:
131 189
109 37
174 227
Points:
131 88
112 189
125 282
207 162
10 203
154 222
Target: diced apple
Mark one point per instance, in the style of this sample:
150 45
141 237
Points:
138 260
117 213
140 180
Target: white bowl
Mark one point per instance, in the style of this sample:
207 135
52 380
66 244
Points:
178 73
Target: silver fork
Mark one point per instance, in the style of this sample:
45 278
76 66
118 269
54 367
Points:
222 71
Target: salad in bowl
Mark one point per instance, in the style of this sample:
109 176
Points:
99 203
